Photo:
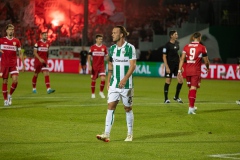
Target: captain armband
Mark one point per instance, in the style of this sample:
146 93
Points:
110 59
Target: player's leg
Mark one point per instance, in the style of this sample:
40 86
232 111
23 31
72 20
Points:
5 91
34 82
194 83
5 73
37 68
84 68
14 74
127 101
94 76
102 84
113 99
166 88
47 80
168 80
179 86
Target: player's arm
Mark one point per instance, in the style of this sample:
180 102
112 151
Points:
165 60
110 71
89 62
206 61
205 58
128 74
37 56
21 55
182 58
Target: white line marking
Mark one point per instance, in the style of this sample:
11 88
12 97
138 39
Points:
226 156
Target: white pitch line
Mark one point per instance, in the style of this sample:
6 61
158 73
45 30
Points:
226 156
102 104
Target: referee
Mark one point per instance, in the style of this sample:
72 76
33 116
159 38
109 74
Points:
171 62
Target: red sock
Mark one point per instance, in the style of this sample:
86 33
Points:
93 86
13 87
47 82
4 91
34 81
102 86
192 97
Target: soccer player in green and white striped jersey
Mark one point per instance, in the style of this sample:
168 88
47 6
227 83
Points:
121 65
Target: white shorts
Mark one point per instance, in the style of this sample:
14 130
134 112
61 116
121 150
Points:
116 94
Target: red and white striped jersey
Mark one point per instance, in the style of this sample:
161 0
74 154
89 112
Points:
42 50
98 53
10 47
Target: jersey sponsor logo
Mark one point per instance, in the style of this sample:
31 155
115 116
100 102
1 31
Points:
121 60
8 47
191 61
43 49
98 53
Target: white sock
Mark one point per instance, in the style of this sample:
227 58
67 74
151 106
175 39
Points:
130 119
109 121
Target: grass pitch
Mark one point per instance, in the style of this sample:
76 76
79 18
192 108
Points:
63 125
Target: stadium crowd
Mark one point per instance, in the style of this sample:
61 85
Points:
141 20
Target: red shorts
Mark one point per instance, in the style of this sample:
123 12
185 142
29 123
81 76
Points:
193 81
38 67
98 72
9 70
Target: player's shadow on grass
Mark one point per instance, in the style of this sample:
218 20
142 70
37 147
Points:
163 135
219 110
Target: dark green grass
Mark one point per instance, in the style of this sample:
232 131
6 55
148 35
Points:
63 125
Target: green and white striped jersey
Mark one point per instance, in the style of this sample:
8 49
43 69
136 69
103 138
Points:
121 62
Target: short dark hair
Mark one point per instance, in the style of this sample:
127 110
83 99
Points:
122 30
171 33
98 35
9 25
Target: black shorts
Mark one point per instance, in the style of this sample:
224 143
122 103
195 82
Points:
173 70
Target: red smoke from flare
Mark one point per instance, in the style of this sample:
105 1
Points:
57 17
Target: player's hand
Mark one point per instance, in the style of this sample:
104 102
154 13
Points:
23 68
167 70
1 51
90 69
207 70
42 60
122 84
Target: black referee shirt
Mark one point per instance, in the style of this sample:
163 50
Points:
171 50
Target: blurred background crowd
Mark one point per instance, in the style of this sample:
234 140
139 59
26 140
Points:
64 19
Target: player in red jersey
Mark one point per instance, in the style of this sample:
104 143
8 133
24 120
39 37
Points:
193 53
9 47
40 63
97 52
